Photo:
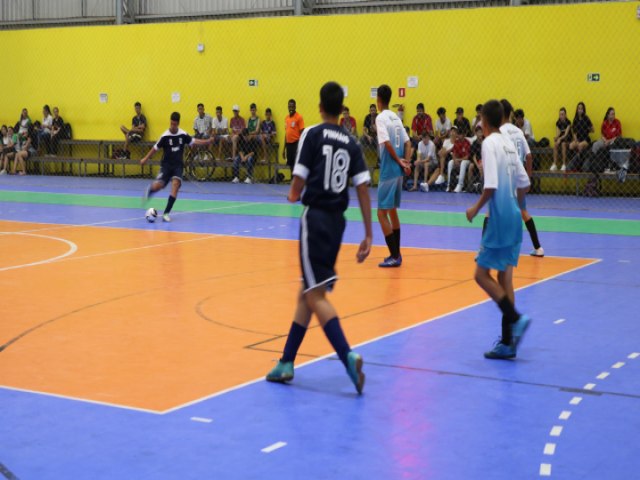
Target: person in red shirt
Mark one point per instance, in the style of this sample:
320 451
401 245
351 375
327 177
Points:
421 124
459 161
611 131
348 122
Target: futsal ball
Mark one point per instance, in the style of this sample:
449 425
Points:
151 215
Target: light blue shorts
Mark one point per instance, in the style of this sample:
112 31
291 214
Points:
498 258
389 192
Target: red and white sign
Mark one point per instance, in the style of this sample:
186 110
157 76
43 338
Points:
401 92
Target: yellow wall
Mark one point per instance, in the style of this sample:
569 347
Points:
538 57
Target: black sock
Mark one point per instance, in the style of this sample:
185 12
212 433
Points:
391 243
533 233
396 233
294 340
170 203
336 337
484 225
507 334
508 310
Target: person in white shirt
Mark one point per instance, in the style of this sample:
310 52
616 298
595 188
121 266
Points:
202 124
426 161
44 134
445 152
523 124
443 127
220 131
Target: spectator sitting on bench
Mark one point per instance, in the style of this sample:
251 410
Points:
427 162
476 174
57 130
443 127
203 124
478 118
6 148
24 149
561 140
348 123
238 126
582 127
462 123
420 125
44 132
525 125
369 133
444 153
252 137
138 127
24 124
220 127
246 158
611 131
268 129
459 161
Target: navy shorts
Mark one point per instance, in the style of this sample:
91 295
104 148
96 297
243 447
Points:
169 172
320 238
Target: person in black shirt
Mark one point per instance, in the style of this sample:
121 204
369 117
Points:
57 130
138 126
561 139
369 134
327 157
462 122
172 142
582 127
475 168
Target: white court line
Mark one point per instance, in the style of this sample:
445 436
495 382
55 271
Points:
273 447
549 449
565 415
560 320
201 419
634 355
545 469
603 375
624 261
73 248
618 365
556 431
575 400
589 386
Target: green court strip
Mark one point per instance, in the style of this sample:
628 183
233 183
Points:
411 217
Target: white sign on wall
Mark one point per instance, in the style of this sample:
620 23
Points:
412 82
104 98
374 92
175 97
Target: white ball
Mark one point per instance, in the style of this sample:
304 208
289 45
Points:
151 215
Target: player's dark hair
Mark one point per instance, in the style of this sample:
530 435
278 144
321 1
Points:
479 108
493 112
218 108
373 105
253 105
384 94
201 105
331 97
441 111
606 115
345 109
519 113
268 110
420 105
137 104
507 108
175 117
291 100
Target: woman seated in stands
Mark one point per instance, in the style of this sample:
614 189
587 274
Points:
9 139
24 150
611 131
44 132
57 131
582 127
561 140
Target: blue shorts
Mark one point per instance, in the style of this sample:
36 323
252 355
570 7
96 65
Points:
498 258
389 193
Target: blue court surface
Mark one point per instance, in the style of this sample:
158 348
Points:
433 407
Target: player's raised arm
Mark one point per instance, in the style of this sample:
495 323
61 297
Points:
153 150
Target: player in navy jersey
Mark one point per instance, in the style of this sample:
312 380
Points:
172 142
327 158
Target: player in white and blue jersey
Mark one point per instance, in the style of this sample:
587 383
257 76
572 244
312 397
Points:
395 154
327 158
505 184
524 154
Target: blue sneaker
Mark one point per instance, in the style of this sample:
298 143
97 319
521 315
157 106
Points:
391 262
501 351
519 328
354 369
282 372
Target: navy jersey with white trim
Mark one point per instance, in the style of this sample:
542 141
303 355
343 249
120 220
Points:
327 157
172 145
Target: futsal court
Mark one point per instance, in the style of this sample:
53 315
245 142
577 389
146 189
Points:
138 350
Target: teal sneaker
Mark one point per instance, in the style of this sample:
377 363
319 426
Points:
519 328
354 369
501 351
282 372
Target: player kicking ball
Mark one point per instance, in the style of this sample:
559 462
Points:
504 175
327 157
172 142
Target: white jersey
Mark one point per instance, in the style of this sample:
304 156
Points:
427 151
518 139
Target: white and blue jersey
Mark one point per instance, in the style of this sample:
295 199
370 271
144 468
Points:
390 128
518 139
504 172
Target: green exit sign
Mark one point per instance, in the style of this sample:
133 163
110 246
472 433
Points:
593 77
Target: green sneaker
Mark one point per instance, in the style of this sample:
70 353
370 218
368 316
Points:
282 372
354 369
